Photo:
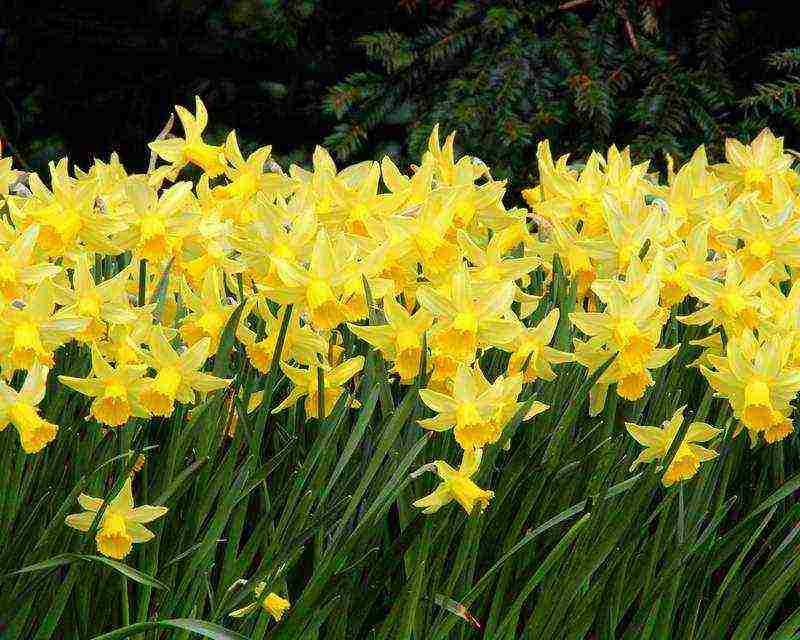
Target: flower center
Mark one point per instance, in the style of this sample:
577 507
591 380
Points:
683 467
113 407
205 156
89 304
760 249
758 413
27 347
633 384
34 432
467 493
113 539
325 310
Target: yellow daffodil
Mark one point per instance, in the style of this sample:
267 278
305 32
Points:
477 411
20 408
506 390
409 191
156 223
684 260
464 321
276 232
7 174
209 311
760 239
658 440
317 289
191 148
116 390
67 216
532 356
456 485
121 525
31 330
247 176
177 376
19 269
757 382
734 304
99 304
301 344
492 268
306 386
631 328
749 168
468 411
632 377
400 339
272 603
429 234
694 194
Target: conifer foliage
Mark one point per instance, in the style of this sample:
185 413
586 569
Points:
651 73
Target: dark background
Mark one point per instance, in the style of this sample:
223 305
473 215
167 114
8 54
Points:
366 78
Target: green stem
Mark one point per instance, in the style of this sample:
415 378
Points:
126 606
142 281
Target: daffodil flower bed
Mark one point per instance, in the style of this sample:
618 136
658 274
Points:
315 365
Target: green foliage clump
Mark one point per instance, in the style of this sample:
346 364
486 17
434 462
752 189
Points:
507 74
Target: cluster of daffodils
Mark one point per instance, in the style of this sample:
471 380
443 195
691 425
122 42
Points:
717 247
427 267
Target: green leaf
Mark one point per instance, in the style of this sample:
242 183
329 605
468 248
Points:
69 558
222 359
51 563
200 627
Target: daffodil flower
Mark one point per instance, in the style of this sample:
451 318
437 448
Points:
18 268
121 525
7 174
457 484
247 176
631 328
101 305
474 410
272 603
734 304
756 380
684 259
658 440
116 390
427 234
694 195
20 408
465 321
32 330
306 386
191 148
357 203
409 191
317 288
301 344
632 377
750 168
532 356
277 232
491 268
67 217
209 310
156 223
400 339
177 376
